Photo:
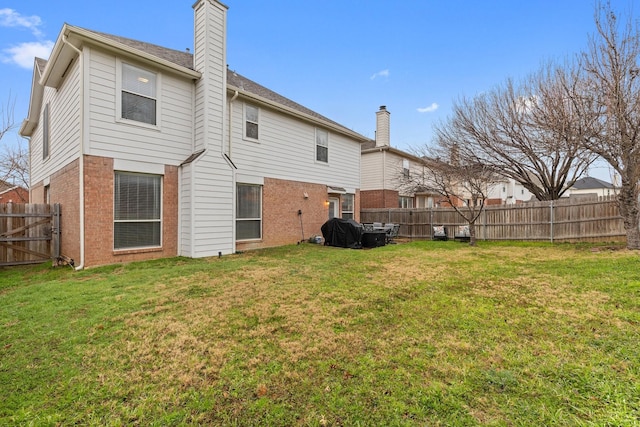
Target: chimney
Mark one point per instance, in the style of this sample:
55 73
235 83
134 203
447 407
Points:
382 127
209 58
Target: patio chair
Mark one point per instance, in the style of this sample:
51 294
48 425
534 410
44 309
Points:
392 231
439 233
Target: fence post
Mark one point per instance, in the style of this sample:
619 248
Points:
55 231
10 253
551 220
431 222
484 223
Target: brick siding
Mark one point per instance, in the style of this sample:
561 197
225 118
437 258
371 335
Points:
281 224
379 199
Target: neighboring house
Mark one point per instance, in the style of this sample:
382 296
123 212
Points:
508 192
589 186
154 152
10 193
386 176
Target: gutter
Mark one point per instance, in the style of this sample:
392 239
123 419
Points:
306 117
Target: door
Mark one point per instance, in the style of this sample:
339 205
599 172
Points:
334 205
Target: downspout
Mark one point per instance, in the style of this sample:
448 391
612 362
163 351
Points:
81 158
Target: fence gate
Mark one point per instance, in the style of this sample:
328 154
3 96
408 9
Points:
29 233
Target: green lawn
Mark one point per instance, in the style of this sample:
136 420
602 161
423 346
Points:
423 333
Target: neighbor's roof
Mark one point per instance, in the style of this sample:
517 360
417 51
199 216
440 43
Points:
590 183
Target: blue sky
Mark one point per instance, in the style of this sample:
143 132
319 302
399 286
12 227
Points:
341 58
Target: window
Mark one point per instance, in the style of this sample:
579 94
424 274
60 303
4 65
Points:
405 202
405 168
137 210
347 206
248 212
251 119
138 94
322 145
45 132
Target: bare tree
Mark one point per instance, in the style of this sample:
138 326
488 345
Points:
14 157
525 131
610 90
463 185
6 114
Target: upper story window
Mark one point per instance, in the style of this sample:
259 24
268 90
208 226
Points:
251 122
45 132
139 94
322 146
405 168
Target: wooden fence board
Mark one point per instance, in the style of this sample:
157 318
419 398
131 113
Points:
26 233
589 219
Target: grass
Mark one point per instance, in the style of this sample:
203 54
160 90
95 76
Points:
425 333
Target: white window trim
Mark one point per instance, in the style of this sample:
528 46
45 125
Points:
244 122
161 220
353 207
252 239
118 117
315 146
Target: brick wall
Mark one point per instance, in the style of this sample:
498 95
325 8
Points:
99 187
64 188
281 201
378 199
15 195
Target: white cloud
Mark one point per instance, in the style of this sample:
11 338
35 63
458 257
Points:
430 109
24 53
383 73
11 18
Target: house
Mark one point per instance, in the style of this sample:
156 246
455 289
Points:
386 177
508 192
11 193
589 186
154 152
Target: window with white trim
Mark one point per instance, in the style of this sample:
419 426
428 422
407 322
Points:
405 202
137 210
322 146
347 206
251 122
405 168
45 132
139 101
248 212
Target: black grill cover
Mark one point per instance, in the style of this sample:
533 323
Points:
344 233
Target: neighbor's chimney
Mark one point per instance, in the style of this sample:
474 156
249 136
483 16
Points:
382 127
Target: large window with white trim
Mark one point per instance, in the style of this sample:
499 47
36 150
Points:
137 210
347 206
138 94
248 212
322 146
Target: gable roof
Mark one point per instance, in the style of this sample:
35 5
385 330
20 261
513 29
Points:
178 57
590 183
184 60
237 82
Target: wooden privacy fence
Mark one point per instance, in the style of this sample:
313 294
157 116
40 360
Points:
29 233
589 219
